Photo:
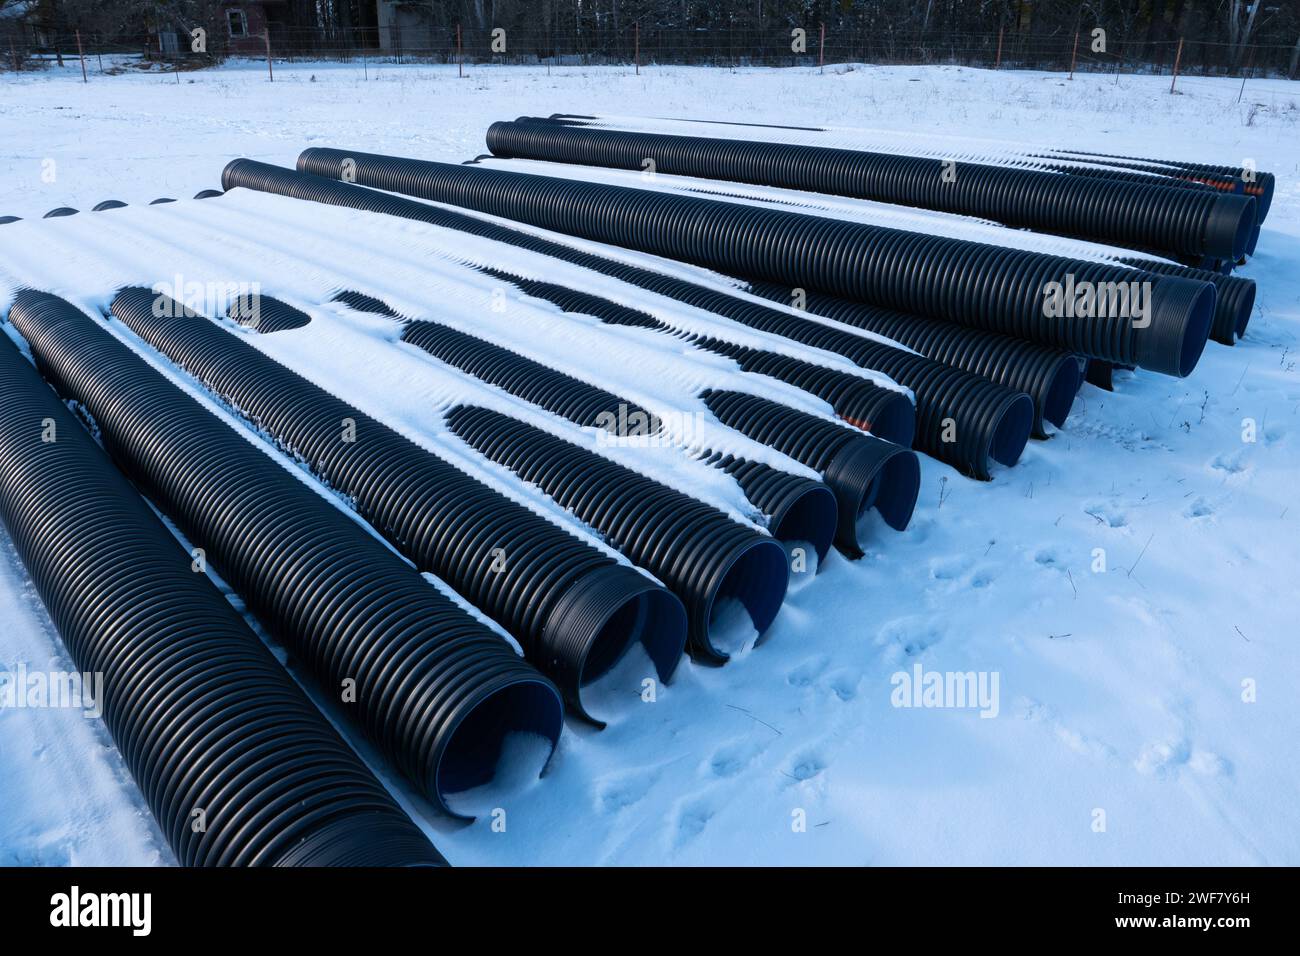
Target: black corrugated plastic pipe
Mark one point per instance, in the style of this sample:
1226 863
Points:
574 609
1048 375
205 718
436 690
993 287
988 419
885 412
265 314
1196 221
799 509
705 557
1252 182
861 470
1233 307
864 472
1234 179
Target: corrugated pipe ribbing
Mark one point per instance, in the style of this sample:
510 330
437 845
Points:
210 725
1026 294
574 609
1048 375
707 559
1130 212
987 421
434 689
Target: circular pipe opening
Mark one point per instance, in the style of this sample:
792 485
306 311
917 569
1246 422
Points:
1064 385
655 618
899 484
1245 309
472 756
1011 433
896 421
755 580
809 519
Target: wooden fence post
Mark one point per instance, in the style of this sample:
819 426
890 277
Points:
269 72
821 50
637 46
997 61
81 55
1178 57
1074 56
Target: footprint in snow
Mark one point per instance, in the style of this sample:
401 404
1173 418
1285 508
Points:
690 819
806 765
1232 463
807 671
1199 508
949 569
733 757
618 791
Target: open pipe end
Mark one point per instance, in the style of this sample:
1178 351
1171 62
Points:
599 619
1245 308
1010 433
742 599
808 515
473 744
895 420
867 475
1181 315
1229 225
1058 398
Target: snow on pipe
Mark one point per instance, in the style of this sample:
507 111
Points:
884 412
716 565
1196 221
863 471
988 421
992 287
1252 182
574 610
1049 376
991 421
265 314
799 509
1232 308
1237 179
437 691
206 719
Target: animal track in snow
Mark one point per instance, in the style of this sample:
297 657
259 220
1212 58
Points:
734 756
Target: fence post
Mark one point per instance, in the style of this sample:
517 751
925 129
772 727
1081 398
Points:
269 72
997 61
460 54
821 50
1178 57
1074 56
637 46
81 55
1250 60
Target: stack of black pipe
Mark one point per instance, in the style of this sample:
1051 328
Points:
983 286
1133 210
435 690
236 764
993 421
574 609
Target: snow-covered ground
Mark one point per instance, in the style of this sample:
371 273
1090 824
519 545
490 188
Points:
1130 586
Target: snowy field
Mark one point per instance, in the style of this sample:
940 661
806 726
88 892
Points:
1144 700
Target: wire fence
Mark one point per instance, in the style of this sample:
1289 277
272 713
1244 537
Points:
1081 51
